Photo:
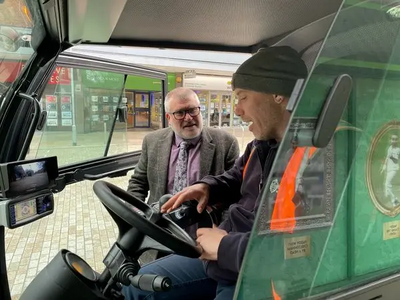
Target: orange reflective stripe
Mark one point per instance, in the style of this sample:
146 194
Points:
311 151
283 215
276 296
247 162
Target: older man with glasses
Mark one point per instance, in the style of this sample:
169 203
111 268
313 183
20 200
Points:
178 156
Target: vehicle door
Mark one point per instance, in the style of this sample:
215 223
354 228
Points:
85 103
76 108
23 56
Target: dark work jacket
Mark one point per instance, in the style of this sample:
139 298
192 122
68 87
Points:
242 197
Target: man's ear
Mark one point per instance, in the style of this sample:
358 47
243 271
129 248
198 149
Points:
278 99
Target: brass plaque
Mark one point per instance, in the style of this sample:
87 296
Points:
391 230
297 247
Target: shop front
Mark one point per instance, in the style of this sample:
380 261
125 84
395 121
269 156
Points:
96 98
89 99
144 101
217 101
98 95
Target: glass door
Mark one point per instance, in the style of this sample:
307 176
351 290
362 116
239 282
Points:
215 109
142 110
235 119
130 108
221 108
226 107
203 98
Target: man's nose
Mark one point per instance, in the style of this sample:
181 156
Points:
238 111
188 117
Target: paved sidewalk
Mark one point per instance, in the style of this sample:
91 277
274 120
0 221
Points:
80 224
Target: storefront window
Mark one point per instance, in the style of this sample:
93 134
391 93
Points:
203 97
101 94
216 99
226 112
215 109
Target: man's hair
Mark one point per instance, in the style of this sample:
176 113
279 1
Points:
180 93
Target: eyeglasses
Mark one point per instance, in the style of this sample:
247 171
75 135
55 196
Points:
181 114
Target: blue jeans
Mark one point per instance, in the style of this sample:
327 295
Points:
189 281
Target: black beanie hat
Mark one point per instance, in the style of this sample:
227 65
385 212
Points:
273 70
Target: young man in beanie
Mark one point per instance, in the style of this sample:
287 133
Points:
263 85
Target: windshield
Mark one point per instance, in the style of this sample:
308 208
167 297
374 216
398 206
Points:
345 197
16 24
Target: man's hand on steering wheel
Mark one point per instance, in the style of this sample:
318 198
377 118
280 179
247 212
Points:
199 192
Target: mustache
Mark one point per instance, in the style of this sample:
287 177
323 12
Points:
189 124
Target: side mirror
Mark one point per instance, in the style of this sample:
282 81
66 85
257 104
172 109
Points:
10 39
332 110
329 116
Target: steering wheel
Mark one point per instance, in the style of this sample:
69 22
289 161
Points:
147 220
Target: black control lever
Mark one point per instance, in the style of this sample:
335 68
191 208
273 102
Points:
162 201
185 215
151 283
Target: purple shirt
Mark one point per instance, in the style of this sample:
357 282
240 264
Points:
193 171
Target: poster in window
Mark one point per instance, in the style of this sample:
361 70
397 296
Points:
105 99
51 103
66 114
95 118
115 99
65 103
95 99
52 114
66 122
106 108
52 122
95 108
106 118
